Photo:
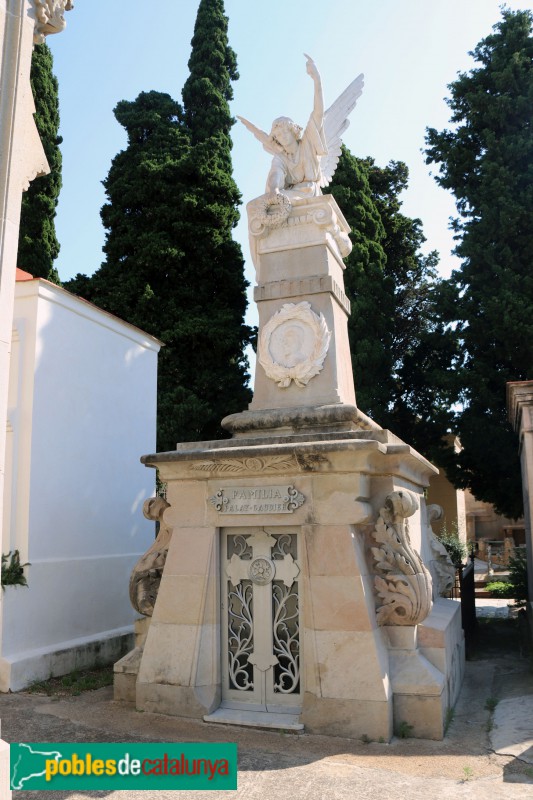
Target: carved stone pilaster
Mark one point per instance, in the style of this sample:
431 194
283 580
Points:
147 572
49 18
403 584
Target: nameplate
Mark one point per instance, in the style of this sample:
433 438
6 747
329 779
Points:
257 500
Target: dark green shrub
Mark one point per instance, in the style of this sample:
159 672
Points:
456 548
503 589
516 587
518 577
13 570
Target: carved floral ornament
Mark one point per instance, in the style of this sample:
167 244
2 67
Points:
148 571
442 568
293 345
256 464
403 584
49 17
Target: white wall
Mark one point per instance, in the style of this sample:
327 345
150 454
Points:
82 412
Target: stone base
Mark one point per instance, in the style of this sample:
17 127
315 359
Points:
180 701
125 675
255 719
127 669
298 420
419 698
352 719
441 640
357 679
20 671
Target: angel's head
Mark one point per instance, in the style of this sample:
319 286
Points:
284 131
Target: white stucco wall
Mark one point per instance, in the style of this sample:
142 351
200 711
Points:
82 410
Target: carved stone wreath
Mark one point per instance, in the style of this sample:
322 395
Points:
308 361
272 210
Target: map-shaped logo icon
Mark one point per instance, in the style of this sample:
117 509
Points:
28 763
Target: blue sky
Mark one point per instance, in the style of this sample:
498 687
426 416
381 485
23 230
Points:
409 51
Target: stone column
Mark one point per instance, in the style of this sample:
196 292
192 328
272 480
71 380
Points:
520 412
22 158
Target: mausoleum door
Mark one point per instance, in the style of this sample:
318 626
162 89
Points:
260 603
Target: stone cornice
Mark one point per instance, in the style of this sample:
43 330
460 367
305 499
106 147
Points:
519 396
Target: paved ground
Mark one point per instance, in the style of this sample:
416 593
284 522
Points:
487 754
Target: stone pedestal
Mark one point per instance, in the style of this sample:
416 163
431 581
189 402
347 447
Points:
293 585
352 682
520 410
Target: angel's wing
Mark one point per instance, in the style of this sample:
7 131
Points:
263 137
335 123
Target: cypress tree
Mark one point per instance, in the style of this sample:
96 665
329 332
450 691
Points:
367 286
422 350
487 162
400 353
171 265
38 244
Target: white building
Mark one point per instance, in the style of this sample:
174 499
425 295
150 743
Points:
81 411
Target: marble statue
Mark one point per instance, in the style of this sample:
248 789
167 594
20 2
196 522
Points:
304 160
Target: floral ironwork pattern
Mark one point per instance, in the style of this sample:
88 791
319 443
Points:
240 636
286 633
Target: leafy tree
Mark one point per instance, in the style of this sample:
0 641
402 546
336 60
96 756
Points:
171 265
398 348
486 160
38 245
367 286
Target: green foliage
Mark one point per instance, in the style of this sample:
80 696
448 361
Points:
491 703
486 160
450 716
468 773
515 588
518 575
367 286
403 730
74 683
501 589
172 267
398 348
13 570
38 245
457 549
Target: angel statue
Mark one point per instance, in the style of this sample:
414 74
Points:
305 160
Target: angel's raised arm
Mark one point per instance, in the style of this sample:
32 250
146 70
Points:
318 106
263 137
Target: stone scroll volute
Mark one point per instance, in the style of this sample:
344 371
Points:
403 584
49 18
147 572
440 565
